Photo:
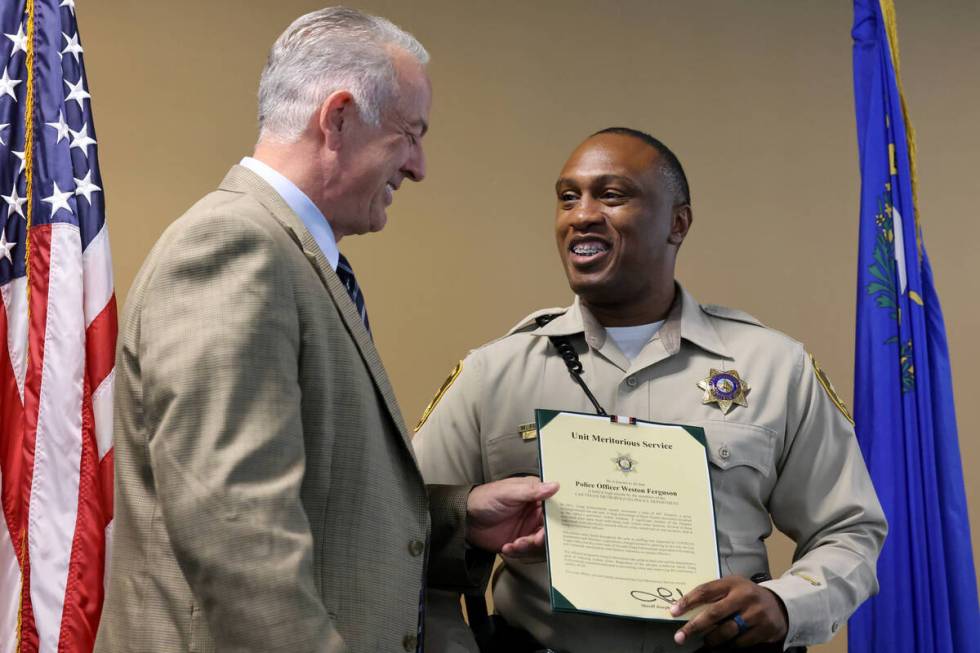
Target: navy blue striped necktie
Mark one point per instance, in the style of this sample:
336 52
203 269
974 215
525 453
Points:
346 274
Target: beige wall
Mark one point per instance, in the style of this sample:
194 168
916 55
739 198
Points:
754 96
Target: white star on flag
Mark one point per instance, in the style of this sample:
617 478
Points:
7 84
19 39
72 45
5 246
14 202
70 4
58 200
61 126
81 139
2 127
23 161
85 187
77 92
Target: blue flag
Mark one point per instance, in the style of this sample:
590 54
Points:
903 395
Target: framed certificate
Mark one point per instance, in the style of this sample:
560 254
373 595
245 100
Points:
632 528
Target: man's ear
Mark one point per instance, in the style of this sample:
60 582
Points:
335 117
682 218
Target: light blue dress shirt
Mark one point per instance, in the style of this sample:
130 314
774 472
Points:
302 206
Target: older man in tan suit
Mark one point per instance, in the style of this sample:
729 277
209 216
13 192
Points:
267 496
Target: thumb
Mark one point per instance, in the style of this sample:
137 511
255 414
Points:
547 490
531 489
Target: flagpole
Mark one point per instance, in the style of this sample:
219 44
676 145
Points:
29 192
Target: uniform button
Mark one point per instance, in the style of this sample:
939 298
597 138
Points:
724 452
834 627
410 642
631 381
416 548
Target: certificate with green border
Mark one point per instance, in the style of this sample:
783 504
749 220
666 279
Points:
632 528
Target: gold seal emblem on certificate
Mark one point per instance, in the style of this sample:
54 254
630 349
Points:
625 463
725 388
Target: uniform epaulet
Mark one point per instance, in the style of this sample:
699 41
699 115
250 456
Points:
528 322
730 314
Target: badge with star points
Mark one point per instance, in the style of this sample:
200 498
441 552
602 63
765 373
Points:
725 388
625 463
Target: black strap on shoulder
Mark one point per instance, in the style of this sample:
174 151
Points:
568 354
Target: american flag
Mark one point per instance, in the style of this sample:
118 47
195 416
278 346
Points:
58 333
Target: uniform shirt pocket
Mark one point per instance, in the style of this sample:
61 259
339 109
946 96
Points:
732 444
742 473
510 454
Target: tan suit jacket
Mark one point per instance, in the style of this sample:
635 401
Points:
789 458
267 498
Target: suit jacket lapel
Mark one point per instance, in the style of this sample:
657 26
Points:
241 179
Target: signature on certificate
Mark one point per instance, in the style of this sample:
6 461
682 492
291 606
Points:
663 595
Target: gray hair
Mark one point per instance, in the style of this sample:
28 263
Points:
325 51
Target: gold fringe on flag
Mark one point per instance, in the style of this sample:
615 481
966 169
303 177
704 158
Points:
29 176
891 28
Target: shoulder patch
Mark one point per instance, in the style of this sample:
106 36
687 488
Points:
528 322
829 388
730 314
439 394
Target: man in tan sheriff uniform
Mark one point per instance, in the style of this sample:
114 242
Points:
780 443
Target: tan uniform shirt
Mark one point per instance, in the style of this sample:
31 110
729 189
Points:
788 458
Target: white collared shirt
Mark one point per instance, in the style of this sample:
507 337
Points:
302 206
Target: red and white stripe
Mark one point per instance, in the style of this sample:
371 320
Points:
56 376
13 365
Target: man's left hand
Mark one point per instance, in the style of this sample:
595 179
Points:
507 515
759 608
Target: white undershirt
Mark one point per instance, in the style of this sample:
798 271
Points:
632 339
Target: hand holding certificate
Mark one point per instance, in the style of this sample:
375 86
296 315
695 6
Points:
633 528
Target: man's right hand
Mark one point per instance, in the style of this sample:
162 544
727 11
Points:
506 516
760 610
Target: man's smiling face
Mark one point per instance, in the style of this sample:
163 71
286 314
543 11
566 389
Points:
379 158
614 220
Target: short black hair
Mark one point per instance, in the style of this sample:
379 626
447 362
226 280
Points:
671 168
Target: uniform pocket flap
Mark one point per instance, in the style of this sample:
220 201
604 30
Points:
509 454
731 444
